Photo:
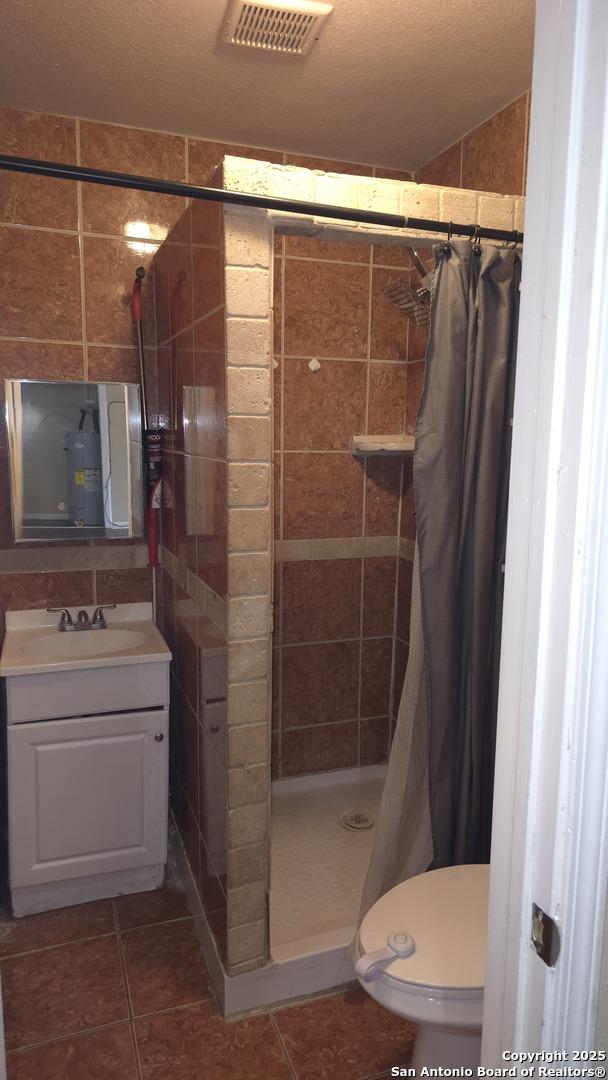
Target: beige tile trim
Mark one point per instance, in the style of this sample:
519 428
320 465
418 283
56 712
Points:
247 702
406 548
363 192
246 904
339 548
244 942
248 785
46 558
206 601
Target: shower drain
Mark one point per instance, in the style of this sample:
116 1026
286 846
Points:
356 819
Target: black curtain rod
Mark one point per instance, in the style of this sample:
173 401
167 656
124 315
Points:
241 198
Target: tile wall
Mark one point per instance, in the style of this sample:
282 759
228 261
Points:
191 377
337 518
492 157
66 271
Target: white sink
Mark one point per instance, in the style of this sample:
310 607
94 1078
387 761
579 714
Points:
34 645
82 643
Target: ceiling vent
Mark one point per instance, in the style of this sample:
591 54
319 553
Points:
290 26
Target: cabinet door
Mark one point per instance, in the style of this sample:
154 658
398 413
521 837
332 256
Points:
87 796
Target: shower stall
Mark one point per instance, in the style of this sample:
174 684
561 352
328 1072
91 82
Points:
343 543
288 553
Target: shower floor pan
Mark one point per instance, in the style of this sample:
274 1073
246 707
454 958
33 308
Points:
317 866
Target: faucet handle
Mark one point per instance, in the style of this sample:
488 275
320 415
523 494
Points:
65 622
98 618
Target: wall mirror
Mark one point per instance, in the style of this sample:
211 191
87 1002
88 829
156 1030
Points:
75 459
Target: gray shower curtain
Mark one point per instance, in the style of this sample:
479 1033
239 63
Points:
437 801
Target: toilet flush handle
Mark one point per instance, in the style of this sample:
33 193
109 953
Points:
398 944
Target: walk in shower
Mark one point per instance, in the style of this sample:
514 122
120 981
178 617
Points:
343 543
288 552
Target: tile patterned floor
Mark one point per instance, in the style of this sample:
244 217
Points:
116 990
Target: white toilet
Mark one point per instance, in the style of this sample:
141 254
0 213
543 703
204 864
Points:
421 953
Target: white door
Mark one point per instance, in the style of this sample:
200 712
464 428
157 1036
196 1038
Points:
551 797
87 796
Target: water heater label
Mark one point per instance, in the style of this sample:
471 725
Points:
92 479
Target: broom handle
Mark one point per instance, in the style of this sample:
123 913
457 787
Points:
137 318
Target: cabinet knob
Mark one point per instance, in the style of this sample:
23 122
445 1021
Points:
159 737
214 729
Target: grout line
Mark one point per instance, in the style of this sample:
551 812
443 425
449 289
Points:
85 349
146 926
364 500
362 263
56 945
349 359
334 723
342 641
360 671
345 452
22 339
208 1000
69 1035
134 1045
123 968
39 228
135 1051
282 1044
40 341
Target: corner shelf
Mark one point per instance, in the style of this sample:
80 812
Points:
363 445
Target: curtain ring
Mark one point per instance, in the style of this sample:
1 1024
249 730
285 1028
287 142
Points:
476 238
450 231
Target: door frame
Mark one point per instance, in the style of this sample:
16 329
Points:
551 792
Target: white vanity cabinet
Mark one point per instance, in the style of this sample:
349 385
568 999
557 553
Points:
88 763
88 795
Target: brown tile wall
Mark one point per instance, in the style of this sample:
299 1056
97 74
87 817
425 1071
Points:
191 373
335 617
492 157
65 277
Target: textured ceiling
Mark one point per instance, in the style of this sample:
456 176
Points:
390 82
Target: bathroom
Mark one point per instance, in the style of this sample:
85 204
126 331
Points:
283 582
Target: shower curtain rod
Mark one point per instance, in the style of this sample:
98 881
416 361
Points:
240 198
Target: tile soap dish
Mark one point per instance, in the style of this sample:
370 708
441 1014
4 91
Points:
361 445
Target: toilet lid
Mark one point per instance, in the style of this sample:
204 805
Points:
446 913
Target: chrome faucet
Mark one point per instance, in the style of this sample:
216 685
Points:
98 621
83 622
65 622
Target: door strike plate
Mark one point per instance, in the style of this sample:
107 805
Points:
545 936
